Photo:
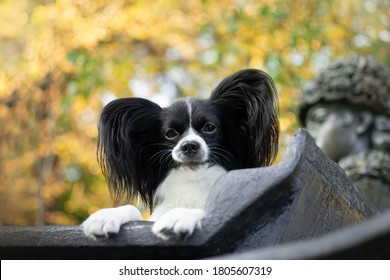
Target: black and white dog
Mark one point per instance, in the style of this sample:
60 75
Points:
172 156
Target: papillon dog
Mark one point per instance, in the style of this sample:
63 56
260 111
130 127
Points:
171 157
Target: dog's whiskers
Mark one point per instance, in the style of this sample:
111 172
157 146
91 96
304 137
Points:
220 152
160 156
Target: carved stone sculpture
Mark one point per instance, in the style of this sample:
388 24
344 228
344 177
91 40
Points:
346 108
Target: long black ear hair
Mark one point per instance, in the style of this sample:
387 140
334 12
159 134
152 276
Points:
247 101
128 140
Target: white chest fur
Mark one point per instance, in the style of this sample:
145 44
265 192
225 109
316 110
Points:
186 188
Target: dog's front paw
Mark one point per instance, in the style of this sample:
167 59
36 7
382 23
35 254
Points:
106 222
178 223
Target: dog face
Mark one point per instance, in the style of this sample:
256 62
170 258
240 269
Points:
192 129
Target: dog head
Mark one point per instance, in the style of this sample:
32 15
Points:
237 127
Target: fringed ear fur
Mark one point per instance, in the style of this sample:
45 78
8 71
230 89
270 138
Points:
125 147
248 102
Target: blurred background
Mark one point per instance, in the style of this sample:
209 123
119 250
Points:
62 61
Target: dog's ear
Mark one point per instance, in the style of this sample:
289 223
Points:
247 100
129 136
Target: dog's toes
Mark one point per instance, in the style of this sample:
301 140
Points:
107 222
172 233
163 229
111 227
100 228
184 228
178 223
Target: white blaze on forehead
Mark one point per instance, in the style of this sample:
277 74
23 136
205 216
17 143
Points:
191 135
189 107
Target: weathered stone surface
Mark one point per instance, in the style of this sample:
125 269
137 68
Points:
370 172
305 196
369 240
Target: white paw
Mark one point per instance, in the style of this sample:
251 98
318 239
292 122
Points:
178 223
105 222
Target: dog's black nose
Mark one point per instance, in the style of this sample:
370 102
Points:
190 147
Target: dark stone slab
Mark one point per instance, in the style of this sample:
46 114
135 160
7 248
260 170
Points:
305 196
367 241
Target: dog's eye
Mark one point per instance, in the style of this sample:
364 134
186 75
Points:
209 128
171 134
